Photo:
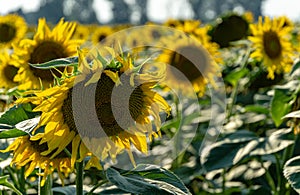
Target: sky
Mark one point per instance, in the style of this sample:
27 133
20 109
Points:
159 10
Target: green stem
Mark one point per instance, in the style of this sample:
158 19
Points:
269 178
13 176
224 181
235 89
47 188
288 153
22 180
96 186
279 174
79 178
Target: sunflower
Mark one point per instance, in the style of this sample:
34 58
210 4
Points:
7 71
100 33
27 153
191 59
12 29
61 132
46 45
81 32
271 44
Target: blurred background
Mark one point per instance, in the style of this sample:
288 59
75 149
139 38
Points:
140 11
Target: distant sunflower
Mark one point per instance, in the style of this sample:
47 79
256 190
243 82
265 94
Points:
81 32
271 41
60 131
46 45
12 29
100 33
27 154
7 72
185 56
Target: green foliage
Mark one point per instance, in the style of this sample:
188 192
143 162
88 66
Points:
147 179
18 121
6 183
291 171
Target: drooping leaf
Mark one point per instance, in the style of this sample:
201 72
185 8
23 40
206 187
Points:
135 185
226 153
12 133
61 62
295 114
234 77
66 190
238 146
291 171
17 114
18 121
4 182
277 141
147 179
280 105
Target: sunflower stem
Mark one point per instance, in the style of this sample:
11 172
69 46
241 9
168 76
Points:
236 87
79 178
47 188
22 180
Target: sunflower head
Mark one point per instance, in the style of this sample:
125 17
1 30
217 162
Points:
46 45
59 140
272 45
7 71
230 27
101 33
12 29
188 63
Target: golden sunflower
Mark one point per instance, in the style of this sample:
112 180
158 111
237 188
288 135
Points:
58 145
28 153
81 32
100 33
46 45
47 149
7 72
189 58
12 29
272 46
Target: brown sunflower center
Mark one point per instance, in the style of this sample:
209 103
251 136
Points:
7 33
101 37
103 106
44 52
10 72
272 44
44 147
189 60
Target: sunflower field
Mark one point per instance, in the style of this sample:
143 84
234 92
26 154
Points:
180 107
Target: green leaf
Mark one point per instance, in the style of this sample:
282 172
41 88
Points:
12 133
133 184
295 70
227 152
241 145
66 190
257 109
234 76
61 62
280 105
4 182
291 171
111 191
154 172
17 114
18 121
277 141
147 179
295 114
